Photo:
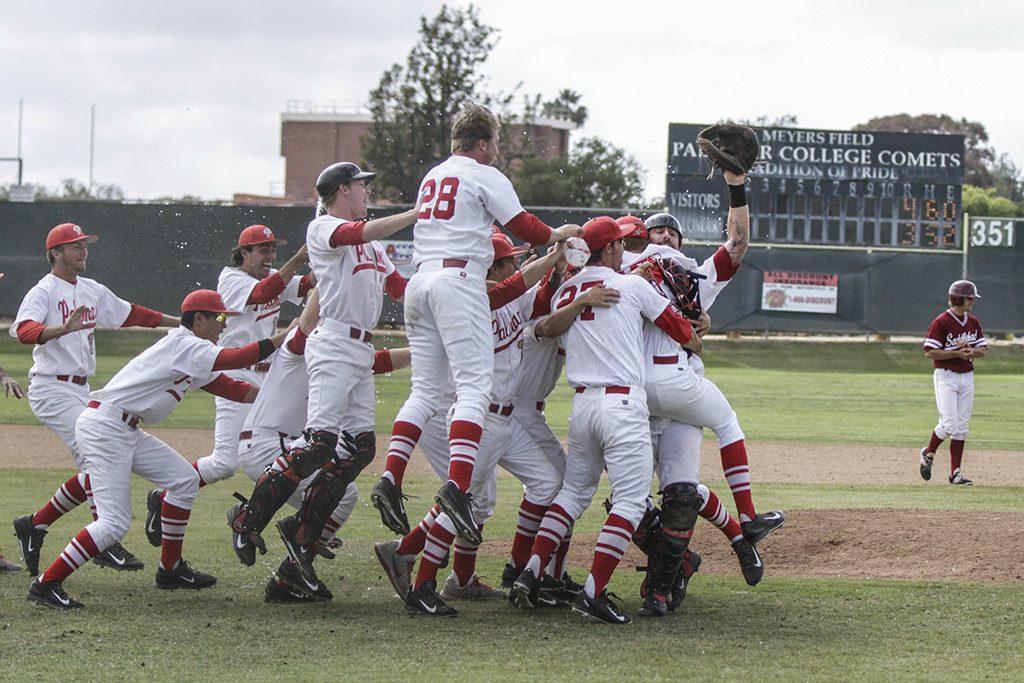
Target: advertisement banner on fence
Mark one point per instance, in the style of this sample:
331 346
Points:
400 253
799 292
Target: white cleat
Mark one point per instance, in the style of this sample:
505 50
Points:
397 567
475 589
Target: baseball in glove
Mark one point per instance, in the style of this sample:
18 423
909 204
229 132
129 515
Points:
685 287
730 146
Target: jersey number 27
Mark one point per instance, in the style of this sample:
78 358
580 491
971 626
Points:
569 295
438 199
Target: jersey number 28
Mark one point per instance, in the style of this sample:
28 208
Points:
438 199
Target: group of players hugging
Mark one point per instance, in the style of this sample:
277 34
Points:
614 302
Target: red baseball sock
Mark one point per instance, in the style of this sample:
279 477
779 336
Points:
553 528
413 542
80 550
173 521
611 546
463 443
438 541
933 443
530 516
87 484
956 454
70 495
404 437
202 482
715 512
557 567
737 474
464 560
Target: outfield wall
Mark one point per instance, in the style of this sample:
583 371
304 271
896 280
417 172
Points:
153 254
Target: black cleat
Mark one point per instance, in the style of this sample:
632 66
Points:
458 505
116 557
959 479
761 525
154 527
570 590
655 605
750 561
245 545
601 608
301 555
30 539
926 463
427 601
183 576
509 575
525 591
290 575
51 594
280 592
691 563
387 498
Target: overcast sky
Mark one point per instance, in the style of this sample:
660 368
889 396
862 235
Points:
188 94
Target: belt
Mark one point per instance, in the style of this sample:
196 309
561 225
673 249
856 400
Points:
454 263
127 418
666 360
74 379
260 367
247 435
504 411
361 335
607 390
540 406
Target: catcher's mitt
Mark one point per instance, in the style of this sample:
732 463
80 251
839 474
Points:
685 287
730 146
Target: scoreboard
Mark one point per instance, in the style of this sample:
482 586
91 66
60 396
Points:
828 187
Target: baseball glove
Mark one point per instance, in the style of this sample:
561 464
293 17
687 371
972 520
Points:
685 287
730 146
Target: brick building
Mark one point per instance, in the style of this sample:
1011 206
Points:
314 136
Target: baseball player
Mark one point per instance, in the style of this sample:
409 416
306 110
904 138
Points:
503 443
147 390
447 314
11 388
663 229
57 317
279 415
953 341
609 425
253 287
353 273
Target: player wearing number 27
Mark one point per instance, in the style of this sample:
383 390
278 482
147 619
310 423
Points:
953 341
447 314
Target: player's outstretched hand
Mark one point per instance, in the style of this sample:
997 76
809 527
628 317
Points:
11 388
565 232
602 297
74 323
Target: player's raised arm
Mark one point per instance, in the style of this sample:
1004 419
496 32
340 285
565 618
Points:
738 222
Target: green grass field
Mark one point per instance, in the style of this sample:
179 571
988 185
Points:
785 628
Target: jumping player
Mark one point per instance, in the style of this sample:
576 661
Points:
446 311
57 317
953 341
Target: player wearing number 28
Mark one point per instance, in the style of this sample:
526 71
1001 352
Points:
447 315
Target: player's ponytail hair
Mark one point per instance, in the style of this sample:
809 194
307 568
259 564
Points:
323 202
473 123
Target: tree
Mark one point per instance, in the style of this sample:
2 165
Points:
765 121
597 173
979 201
73 189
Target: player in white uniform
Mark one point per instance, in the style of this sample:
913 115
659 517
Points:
279 415
516 300
446 311
352 272
146 391
11 388
609 425
58 317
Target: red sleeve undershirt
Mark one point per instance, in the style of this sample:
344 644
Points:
724 267
348 233
506 291
674 325
266 290
394 285
29 331
542 302
382 362
297 344
238 358
225 387
140 316
529 228
305 284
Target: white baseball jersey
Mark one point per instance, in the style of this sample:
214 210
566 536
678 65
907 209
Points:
51 302
257 321
350 277
282 402
509 324
461 200
604 347
540 368
152 384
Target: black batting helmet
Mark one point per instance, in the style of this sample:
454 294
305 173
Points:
664 220
335 175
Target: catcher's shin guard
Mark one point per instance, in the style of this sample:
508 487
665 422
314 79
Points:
327 489
679 506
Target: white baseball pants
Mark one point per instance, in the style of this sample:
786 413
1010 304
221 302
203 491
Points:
222 463
954 397
676 392
676 451
57 405
341 393
535 424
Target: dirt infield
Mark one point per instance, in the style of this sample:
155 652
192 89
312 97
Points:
799 463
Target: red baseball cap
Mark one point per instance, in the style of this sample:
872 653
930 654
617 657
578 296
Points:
258 234
205 300
601 231
504 248
65 233
639 229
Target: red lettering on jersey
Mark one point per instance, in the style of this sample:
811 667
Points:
368 259
66 310
444 193
177 397
569 295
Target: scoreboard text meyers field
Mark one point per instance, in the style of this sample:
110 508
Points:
828 187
